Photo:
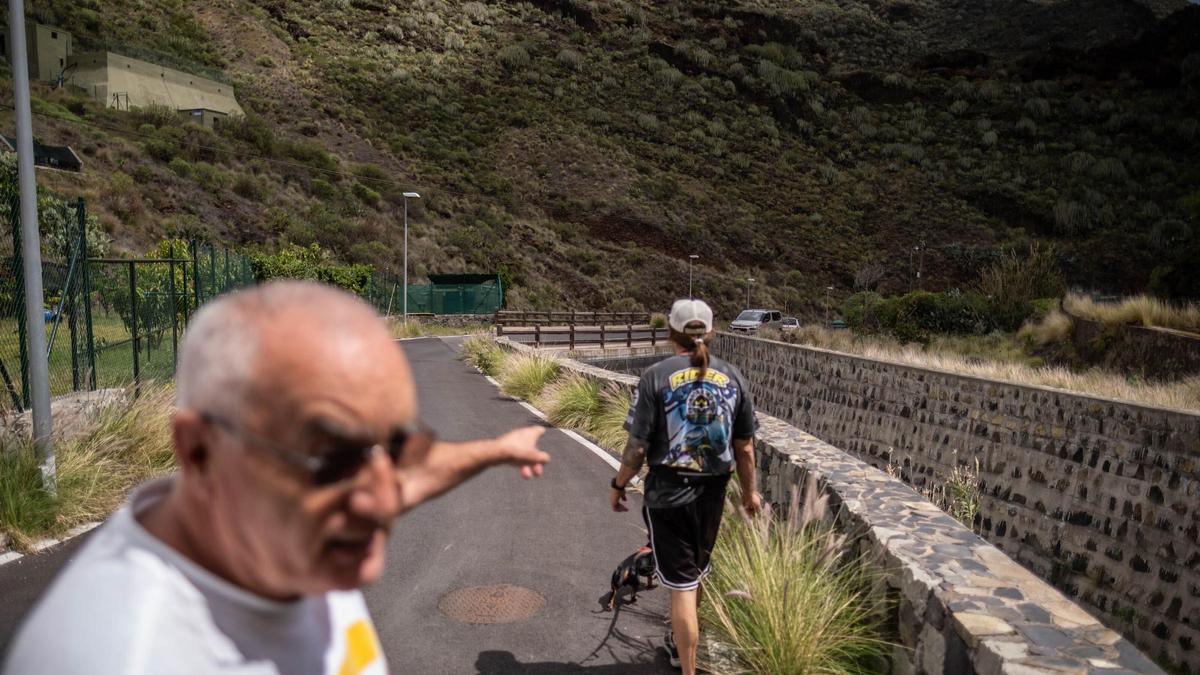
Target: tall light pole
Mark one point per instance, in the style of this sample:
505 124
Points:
407 196
748 282
691 258
31 248
828 289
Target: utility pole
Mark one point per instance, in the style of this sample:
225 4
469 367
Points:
31 248
921 264
407 196
691 258
748 282
828 289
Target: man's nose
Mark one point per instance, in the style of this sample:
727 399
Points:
376 491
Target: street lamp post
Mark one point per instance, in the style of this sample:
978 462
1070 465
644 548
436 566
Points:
407 196
748 282
31 255
691 258
828 289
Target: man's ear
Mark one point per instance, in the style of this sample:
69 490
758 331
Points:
192 436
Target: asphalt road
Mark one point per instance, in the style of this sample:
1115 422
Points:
554 535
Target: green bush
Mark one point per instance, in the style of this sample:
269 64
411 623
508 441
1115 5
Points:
365 194
249 187
1014 281
322 189
312 263
513 57
919 315
180 167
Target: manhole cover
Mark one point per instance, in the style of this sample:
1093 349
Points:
502 603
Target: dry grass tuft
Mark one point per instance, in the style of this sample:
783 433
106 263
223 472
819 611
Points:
1054 327
1141 310
1182 395
123 445
783 595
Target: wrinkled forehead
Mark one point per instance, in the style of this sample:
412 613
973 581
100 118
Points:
349 372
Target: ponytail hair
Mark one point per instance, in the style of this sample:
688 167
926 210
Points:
697 346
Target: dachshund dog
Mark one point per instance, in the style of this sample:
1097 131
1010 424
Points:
629 573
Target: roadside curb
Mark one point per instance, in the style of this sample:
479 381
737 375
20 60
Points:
11 556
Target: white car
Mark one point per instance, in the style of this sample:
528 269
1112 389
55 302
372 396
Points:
789 323
750 320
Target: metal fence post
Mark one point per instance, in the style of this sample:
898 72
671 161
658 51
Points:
174 314
73 307
133 326
87 313
212 272
196 271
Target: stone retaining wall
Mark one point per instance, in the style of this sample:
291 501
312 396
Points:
1098 497
960 606
1155 353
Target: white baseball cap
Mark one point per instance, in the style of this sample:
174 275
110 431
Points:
686 311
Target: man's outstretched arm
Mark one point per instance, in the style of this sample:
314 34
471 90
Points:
445 465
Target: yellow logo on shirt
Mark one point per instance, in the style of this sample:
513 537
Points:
682 377
361 648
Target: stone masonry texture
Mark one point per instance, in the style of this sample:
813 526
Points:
956 604
1096 496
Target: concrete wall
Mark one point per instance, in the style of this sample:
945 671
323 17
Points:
103 74
1097 496
49 49
957 605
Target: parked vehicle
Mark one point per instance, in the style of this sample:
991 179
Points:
790 323
750 320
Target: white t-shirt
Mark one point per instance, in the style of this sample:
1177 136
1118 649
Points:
129 603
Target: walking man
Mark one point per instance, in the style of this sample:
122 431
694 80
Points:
693 421
298 443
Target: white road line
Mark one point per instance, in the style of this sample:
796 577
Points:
597 450
42 545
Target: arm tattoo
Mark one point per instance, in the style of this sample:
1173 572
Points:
634 455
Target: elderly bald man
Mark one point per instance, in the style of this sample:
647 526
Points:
298 443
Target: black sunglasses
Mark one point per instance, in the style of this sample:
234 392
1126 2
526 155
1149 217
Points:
344 459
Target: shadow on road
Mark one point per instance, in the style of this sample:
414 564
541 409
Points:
502 663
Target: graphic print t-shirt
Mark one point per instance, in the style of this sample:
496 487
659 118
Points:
689 424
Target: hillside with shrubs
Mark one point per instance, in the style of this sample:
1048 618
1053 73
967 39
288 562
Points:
584 149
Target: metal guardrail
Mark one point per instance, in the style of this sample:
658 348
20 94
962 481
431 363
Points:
568 318
602 335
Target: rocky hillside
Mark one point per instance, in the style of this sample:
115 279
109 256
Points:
584 149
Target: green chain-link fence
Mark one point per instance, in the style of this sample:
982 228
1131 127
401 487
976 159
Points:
386 294
111 322
139 307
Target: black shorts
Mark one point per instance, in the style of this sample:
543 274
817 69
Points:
683 537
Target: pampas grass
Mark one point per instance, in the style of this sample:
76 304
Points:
786 599
525 375
483 353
